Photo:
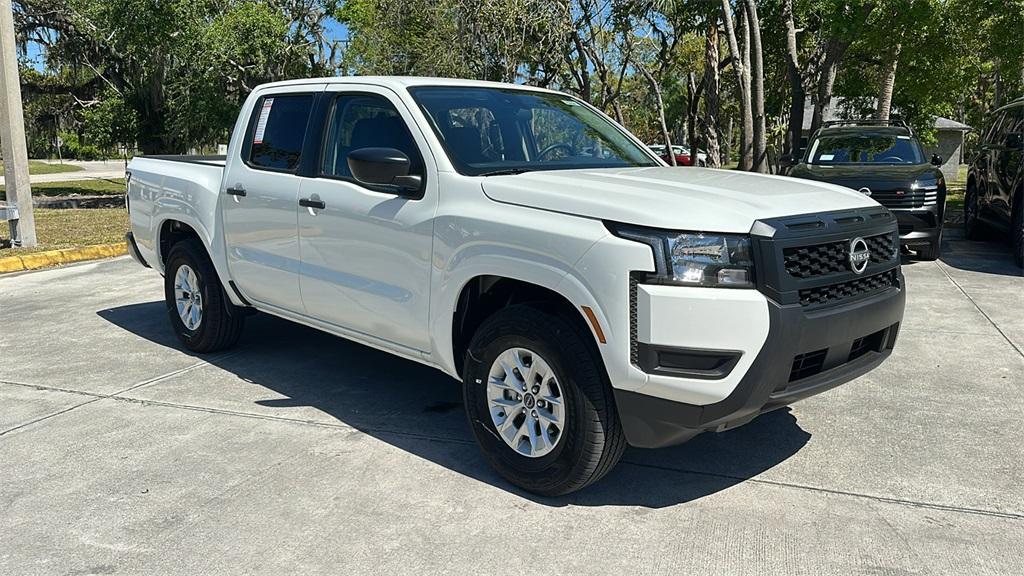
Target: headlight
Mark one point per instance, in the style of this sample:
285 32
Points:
696 258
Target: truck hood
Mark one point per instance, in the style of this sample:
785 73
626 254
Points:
874 177
674 198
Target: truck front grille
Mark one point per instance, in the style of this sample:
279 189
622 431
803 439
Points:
805 259
906 198
833 257
842 290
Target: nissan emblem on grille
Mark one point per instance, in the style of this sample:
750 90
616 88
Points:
865 191
859 255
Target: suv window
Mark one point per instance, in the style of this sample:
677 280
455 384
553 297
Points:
865 148
365 121
278 128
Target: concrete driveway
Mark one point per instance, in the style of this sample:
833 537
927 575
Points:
299 453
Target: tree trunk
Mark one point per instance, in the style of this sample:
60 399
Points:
743 82
823 95
711 103
757 91
796 84
660 103
693 95
888 83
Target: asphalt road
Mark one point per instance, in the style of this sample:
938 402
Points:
298 453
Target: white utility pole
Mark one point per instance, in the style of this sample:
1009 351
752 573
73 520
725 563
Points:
12 130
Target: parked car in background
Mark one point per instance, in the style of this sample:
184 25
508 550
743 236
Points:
682 157
515 238
995 180
884 160
702 156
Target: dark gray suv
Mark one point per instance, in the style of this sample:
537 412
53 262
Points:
995 181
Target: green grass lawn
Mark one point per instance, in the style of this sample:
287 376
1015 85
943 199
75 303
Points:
955 195
37 167
68 228
113 186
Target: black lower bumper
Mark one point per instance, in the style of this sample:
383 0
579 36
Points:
807 352
133 249
919 226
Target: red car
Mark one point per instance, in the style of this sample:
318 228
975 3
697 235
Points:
681 154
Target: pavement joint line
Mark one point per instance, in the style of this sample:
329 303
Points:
875 498
983 313
97 396
449 440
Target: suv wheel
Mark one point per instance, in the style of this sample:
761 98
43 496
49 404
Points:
930 252
539 402
972 220
202 316
1017 229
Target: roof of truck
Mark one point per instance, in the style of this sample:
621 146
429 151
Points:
401 82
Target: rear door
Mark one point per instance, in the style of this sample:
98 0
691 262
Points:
1006 162
366 252
260 200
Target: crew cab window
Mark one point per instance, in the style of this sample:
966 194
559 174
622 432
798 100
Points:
277 130
365 121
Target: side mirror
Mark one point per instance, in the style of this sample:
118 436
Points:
1014 141
787 160
383 167
936 160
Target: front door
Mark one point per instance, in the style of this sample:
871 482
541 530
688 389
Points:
366 253
260 202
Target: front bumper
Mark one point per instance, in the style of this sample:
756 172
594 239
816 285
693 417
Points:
806 353
919 225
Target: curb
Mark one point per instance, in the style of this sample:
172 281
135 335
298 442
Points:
58 257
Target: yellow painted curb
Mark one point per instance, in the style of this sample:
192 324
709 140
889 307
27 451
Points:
57 257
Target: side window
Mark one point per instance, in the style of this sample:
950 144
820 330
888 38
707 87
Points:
277 131
995 132
365 121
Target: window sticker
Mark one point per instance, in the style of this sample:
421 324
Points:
570 102
261 124
827 157
903 137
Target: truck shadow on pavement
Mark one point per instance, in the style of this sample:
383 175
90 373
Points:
303 374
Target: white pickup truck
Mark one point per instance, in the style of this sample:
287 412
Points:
586 295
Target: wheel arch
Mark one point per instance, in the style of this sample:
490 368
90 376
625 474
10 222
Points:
481 295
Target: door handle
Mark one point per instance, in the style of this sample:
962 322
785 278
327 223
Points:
236 191
310 203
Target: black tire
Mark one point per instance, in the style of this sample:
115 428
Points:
592 440
1017 229
930 252
973 226
221 322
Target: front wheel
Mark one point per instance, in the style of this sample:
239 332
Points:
540 403
930 252
203 318
972 213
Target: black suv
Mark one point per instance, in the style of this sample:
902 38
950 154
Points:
882 159
995 180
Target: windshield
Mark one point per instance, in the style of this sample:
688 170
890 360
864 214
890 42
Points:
865 149
498 130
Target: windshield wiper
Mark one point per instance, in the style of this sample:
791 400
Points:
506 172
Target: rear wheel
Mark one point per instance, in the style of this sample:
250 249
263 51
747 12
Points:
202 316
539 402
